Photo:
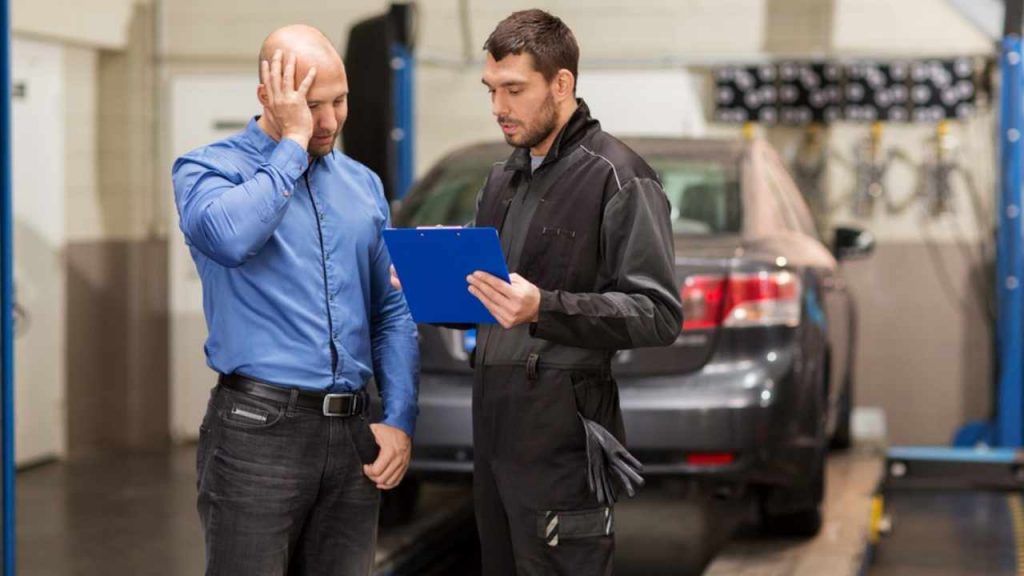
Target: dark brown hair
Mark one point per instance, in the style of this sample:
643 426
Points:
539 34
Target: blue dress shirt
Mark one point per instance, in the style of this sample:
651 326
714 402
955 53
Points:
295 273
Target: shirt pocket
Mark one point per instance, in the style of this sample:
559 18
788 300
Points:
554 257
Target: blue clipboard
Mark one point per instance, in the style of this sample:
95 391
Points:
433 263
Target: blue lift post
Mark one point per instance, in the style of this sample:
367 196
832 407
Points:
988 454
403 68
1009 427
6 293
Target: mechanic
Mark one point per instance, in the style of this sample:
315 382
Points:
584 225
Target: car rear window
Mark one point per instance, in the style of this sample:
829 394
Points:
704 195
447 198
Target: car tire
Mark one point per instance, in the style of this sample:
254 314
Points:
843 436
803 520
398 505
803 524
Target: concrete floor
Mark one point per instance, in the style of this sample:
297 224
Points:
115 517
838 550
136 516
949 533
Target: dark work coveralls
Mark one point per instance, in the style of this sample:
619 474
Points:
590 227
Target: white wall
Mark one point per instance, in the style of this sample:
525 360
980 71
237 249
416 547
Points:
38 179
906 27
220 30
84 218
203 30
100 23
201 36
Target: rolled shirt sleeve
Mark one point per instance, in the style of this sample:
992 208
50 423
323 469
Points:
229 221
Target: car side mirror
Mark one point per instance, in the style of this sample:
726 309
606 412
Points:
853 243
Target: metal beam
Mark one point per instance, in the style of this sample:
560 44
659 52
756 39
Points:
6 293
1013 16
1009 255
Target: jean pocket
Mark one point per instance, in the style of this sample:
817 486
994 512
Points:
240 412
365 442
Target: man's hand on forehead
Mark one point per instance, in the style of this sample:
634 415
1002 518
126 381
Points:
285 106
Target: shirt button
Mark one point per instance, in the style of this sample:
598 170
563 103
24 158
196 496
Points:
321 215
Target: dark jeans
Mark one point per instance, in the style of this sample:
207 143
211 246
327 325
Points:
535 514
282 490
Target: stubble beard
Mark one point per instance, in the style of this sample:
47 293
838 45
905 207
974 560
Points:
540 131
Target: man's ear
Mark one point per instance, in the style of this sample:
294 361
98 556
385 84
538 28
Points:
565 84
261 95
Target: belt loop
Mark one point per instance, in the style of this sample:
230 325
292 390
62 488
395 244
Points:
531 366
293 399
364 401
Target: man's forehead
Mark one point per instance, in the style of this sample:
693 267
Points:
327 88
513 67
322 60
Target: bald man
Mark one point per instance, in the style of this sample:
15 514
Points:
285 232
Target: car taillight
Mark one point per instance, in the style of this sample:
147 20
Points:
710 458
702 302
763 299
741 300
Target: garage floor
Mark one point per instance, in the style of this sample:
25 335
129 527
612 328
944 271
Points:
137 516
944 533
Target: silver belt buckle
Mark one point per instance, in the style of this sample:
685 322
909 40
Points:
327 405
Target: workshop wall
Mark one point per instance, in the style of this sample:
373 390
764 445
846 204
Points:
94 23
38 178
925 342
103 372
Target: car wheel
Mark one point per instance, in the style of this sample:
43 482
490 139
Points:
398 505
843 437
796 512
803 524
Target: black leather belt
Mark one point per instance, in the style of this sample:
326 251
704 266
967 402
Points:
342 405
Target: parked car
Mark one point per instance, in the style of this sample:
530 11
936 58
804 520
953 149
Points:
760 380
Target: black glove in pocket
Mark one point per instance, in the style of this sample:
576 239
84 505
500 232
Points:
366 443
607 458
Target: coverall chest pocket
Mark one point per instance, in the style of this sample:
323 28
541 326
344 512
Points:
553 257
